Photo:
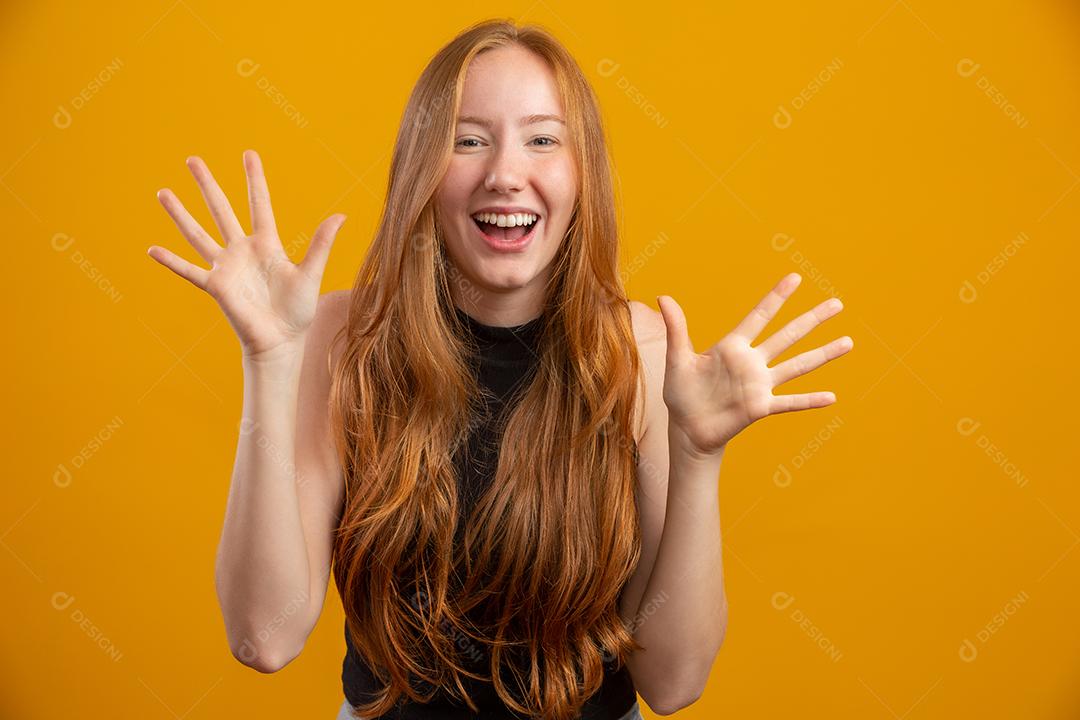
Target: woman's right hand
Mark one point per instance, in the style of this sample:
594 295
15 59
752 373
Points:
269 300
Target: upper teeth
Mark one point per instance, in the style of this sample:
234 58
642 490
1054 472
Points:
511 220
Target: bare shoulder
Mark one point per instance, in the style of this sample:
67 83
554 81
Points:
650 334
337 300
330 316
648 324
331 313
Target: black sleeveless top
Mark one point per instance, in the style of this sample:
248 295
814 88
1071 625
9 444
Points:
506 358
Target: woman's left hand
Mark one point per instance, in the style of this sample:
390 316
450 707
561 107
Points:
711 397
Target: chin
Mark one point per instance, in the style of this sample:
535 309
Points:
505 280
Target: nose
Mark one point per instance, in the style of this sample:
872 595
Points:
505 173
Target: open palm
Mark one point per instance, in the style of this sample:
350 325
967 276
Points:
269 300
712 396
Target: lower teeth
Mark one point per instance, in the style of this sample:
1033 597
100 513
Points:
493 232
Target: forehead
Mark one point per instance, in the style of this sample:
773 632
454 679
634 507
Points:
509 79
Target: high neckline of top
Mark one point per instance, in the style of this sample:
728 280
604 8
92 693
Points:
526 330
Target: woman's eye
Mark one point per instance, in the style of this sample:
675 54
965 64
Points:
464 142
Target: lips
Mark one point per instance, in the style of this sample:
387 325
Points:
506 239
507 234
506 210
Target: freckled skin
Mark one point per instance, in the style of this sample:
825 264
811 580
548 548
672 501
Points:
512 165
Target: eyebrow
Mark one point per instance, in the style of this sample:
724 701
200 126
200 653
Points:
527 120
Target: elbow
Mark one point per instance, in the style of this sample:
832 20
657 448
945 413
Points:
672 705
681 690
675 695
261 657
266 647
676 682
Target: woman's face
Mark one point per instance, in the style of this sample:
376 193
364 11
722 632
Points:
511 157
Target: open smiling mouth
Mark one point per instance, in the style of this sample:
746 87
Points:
513 229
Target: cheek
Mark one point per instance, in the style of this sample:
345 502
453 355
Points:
560 185
456 186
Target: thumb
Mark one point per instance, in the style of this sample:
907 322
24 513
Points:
679 345
314 262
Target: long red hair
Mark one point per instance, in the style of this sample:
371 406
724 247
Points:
556 537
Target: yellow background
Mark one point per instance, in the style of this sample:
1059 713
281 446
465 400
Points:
930 500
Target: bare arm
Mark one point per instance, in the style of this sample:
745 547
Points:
273 560
262 571
285 495
708 398
674 603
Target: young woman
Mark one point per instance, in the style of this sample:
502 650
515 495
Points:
509 467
